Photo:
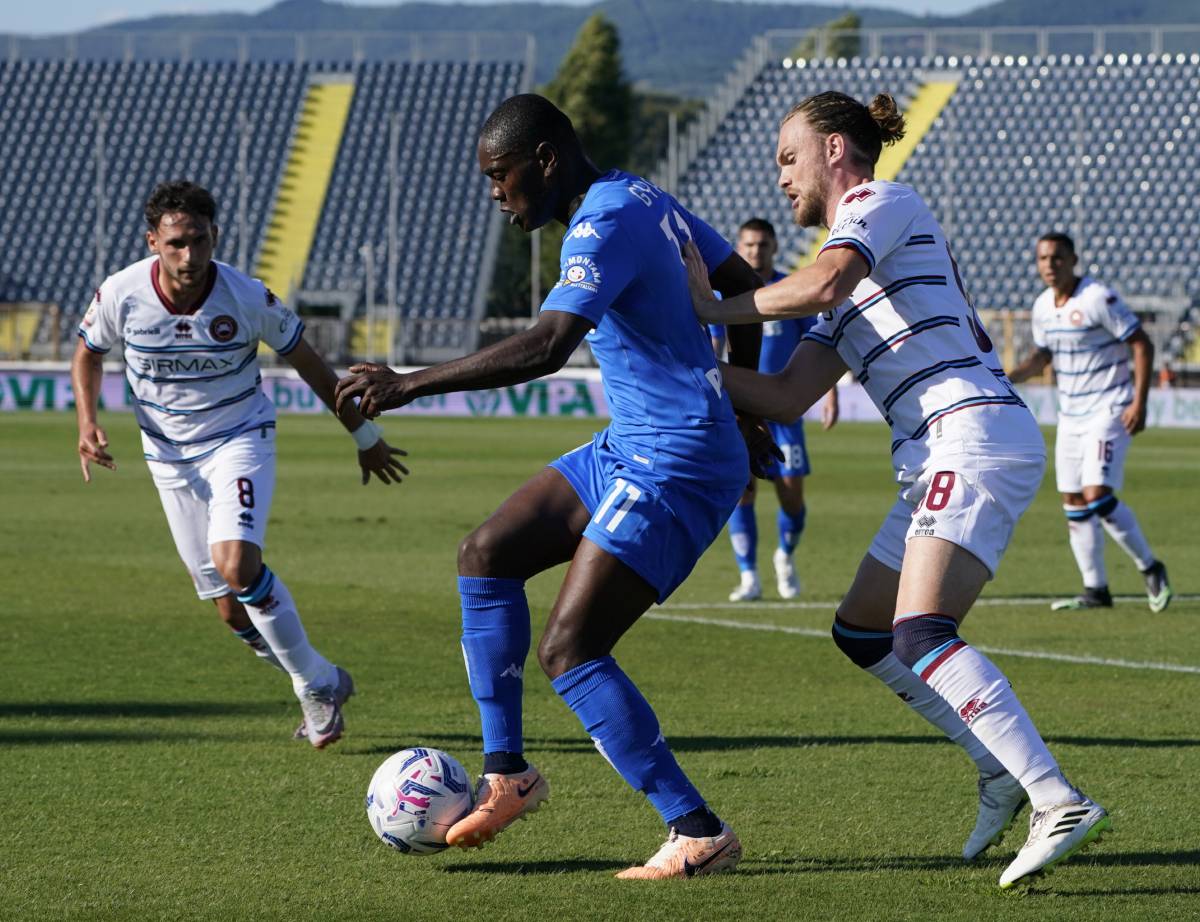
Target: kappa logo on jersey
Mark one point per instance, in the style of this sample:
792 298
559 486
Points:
585 230
972 709
183 330
581 271
223 328
858 196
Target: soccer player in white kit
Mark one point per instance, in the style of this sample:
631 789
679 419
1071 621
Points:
1090 334
191 327
967 453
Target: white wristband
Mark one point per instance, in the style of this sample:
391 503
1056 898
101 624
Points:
366 435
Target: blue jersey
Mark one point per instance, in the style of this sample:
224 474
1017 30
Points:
780 337
621 268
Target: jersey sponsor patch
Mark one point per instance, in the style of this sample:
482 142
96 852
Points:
90 317
581 271
223 328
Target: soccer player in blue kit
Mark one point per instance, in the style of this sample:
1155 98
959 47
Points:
632 510
757 244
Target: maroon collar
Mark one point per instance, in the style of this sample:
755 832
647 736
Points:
166 302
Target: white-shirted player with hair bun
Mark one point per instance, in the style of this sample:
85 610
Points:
1090 335
190 328
967 453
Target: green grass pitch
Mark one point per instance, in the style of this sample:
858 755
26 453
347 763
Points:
148 772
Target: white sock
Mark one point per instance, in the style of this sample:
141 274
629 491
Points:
271 609
255 641
1087 544
985 701
1123 526
922 699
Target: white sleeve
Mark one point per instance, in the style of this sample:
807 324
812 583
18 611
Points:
100 328
871 222
821 330
1039 328
1116 316
278 326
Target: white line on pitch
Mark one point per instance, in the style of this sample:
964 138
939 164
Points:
831 604
999 651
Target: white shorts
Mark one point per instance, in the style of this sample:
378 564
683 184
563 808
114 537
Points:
1089 451
225 497
972 502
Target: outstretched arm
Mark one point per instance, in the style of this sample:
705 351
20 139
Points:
87 369
820 287
784 397
375 456
540 350
1034 364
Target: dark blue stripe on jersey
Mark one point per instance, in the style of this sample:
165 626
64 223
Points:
208 451
227 434
1103 390
917 377
898 285
293 342
1124 337
1090 412
227 402
156 379
1094 326
838 243
917 240
982 400
817 338
231 347
1088 371
1096 348
91 348
927 324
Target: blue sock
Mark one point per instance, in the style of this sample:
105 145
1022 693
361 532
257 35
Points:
495 642
625 730
743 533
791 527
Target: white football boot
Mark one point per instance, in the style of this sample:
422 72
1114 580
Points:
1000 800
749 589
786 580
1056 834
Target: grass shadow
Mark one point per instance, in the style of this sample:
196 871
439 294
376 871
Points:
144 709
563 866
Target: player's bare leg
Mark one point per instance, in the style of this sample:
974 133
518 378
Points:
536 528
601 598
790 492
321 687
938 584
863 631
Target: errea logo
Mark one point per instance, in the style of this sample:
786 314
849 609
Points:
585 230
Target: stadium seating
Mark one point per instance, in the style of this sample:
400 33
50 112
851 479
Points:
1099 147
166 119
443 208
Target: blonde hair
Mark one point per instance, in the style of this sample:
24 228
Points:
868 127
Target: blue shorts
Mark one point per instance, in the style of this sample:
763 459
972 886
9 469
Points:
790 438
656 526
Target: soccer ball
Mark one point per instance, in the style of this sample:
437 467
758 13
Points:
415 797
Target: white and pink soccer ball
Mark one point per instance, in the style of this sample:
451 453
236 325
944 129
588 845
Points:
415 797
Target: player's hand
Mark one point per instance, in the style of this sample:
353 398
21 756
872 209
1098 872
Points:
759 443
382 460
93 445
1134 418
829 411
377 388
703 298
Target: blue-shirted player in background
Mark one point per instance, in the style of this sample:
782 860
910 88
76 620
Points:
632 510
757 244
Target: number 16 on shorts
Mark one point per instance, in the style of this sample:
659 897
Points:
617 503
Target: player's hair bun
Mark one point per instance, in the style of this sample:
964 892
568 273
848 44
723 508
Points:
888 118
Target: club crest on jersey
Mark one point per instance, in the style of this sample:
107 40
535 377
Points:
1076 318
223 328
581 271
858 196
585 230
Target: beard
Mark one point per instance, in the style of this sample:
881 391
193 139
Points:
811 210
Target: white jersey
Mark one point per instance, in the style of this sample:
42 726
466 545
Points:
194 376
1087 341
912 338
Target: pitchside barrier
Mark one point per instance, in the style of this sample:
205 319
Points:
42 387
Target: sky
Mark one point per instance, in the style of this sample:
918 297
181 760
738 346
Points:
59 16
